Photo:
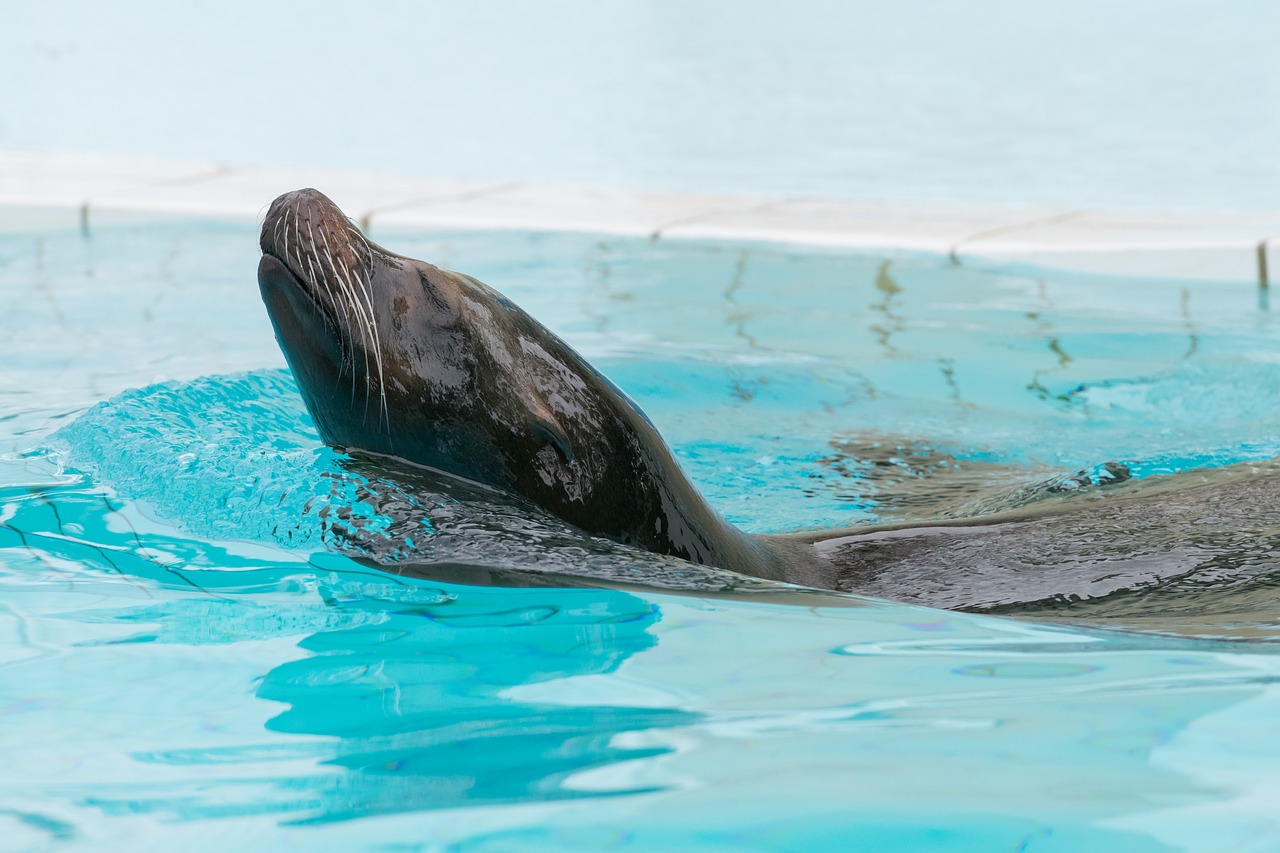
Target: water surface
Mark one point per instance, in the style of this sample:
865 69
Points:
191 656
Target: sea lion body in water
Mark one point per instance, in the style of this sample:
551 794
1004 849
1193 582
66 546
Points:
395 356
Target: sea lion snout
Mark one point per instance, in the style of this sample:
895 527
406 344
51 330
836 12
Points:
317 278
306 226
324 250
305 203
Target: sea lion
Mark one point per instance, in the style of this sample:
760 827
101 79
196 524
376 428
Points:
397 357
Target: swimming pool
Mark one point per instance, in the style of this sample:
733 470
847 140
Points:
187 661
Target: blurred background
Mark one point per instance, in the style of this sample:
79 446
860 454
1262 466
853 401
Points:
1163 104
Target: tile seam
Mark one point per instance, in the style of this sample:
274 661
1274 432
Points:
1012 228
481 191
218 170
658 232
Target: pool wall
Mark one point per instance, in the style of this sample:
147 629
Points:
40 190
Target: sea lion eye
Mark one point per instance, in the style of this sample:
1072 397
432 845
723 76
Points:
550 432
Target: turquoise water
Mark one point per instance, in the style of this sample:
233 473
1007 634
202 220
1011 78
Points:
190 655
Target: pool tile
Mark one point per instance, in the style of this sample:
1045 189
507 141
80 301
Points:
31 218
933 228
247 192
1221 247
565 208
41 179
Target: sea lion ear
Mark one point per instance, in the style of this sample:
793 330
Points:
548 428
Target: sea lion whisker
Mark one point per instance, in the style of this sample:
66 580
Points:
366 286
372 328
299 251
384 416
311 276
344 321
286 235
337 323
292 256
289 259
347 333
363 241
358 311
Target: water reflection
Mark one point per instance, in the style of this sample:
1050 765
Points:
416 701
403 700
888 307
1046 330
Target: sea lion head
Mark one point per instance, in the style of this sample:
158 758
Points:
399 357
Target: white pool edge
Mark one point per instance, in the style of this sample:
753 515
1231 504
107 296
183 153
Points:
46 189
